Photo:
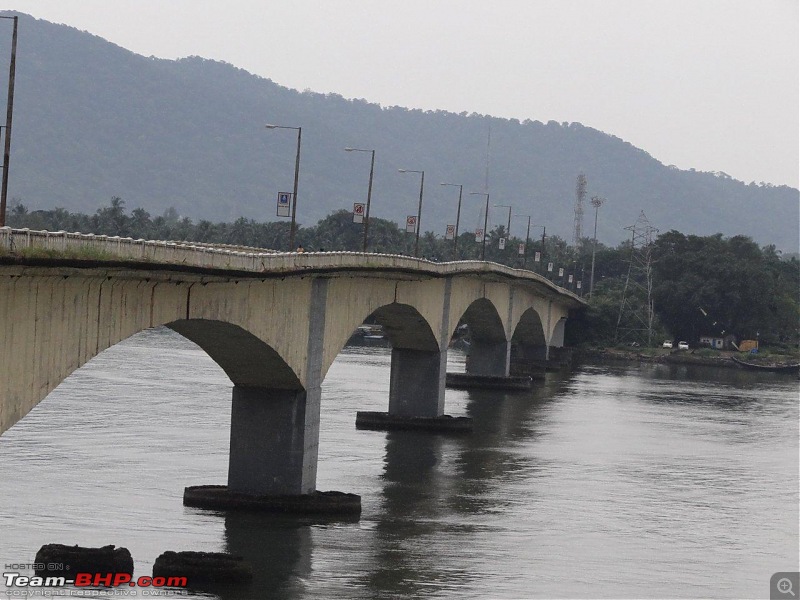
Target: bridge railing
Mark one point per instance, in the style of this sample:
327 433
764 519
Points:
242 258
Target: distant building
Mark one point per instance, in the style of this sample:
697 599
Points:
712 342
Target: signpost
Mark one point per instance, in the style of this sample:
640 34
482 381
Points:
450 232
479 235
411 224
537 257
502 243
521 249
358 212
284 204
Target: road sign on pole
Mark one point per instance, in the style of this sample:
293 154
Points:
411 223
521 249
502 243
479 235
537 257
358 212
450 232
284 204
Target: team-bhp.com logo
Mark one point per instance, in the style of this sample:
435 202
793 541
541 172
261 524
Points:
82 580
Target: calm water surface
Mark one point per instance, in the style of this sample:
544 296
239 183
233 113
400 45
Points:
608 482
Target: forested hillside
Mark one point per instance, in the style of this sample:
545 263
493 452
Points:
93 121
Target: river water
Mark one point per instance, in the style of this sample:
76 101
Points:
607 482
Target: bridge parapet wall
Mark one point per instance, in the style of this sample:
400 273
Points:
241 258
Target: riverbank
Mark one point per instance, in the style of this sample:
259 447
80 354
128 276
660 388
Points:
703 357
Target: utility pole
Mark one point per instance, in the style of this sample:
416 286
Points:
9 115
597 202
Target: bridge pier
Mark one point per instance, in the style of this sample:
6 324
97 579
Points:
416 395
273 458
491 358
416 384
274 446
274 441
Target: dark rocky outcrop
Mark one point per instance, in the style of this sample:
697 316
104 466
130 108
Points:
61 560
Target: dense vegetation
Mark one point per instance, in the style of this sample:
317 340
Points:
92 121
701 285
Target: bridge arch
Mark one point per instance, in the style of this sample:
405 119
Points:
246 359
488 343
403 324
406 327
530 329
484 322
530 340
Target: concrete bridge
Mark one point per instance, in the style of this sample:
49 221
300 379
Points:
273 321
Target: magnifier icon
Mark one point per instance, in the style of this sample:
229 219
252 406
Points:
784 586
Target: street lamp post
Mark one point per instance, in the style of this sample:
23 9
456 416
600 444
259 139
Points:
296 179
458 218
485 221
543 236
9 114
597 202
419 210
527 236
369 191
508 225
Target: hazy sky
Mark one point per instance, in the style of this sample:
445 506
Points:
705 84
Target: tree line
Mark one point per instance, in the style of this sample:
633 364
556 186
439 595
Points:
701 285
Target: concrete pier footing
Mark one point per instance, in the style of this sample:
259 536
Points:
220 497
488 382
381 421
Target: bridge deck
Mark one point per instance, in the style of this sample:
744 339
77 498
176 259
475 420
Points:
17 246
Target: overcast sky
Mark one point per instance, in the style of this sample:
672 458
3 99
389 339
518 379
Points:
705 84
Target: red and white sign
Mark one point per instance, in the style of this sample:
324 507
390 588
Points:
358 212
479 235
521 249
450 232
411 224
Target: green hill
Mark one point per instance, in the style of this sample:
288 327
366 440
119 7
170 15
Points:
93 120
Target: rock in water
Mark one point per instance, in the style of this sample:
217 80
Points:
61 560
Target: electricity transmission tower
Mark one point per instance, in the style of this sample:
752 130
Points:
635 320
580 196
